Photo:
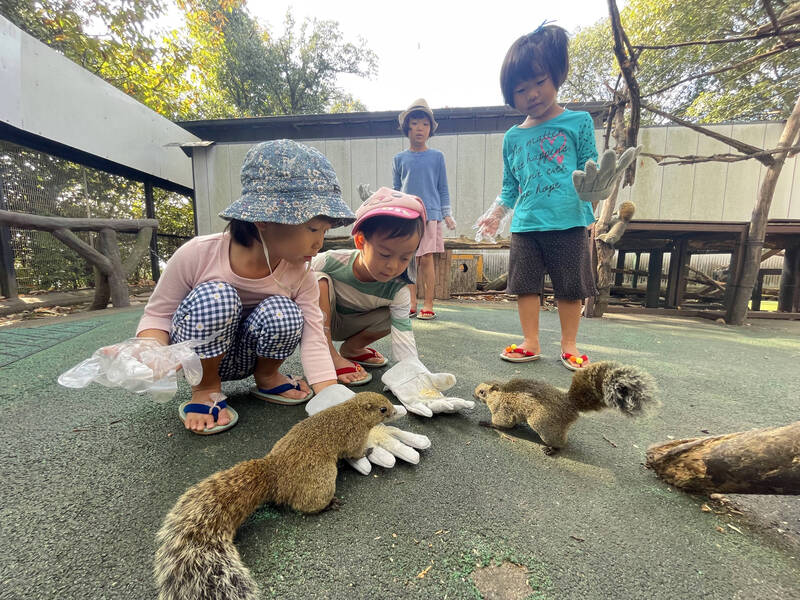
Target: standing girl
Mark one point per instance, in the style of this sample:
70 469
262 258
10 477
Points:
247 292
549 226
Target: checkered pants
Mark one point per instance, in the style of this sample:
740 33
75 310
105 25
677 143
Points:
213 311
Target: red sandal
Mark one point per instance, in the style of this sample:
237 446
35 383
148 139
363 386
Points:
353 369
362 358
574 362
426 315
527 355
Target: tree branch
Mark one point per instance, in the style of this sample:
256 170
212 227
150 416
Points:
739 145
743 38
626 65
757 57
727 157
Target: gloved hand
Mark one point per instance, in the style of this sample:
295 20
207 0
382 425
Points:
420 391
492 222
383 443
593 184
138 365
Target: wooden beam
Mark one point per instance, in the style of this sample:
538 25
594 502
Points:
24 220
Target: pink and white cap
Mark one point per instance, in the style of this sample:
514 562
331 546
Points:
389 202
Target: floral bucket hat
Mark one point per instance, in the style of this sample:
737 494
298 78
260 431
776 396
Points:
286 182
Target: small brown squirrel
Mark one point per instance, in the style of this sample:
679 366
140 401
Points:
616 228
551 411
197 559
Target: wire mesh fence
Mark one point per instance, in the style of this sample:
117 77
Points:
36 183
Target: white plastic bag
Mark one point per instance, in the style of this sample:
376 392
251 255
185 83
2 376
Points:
493 222
139 365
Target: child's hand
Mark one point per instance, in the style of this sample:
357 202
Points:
420 391
450 222
488 225
138 365
383 443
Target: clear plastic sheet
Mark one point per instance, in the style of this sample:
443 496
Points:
493 222
140 365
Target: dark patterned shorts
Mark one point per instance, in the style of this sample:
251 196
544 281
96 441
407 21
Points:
213 311
563 254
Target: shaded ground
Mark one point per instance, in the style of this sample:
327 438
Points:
89 475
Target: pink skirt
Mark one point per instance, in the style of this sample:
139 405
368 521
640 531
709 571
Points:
432 240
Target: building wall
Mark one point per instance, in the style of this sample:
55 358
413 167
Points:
703 192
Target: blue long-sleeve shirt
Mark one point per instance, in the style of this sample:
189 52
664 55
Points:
423 174
537 173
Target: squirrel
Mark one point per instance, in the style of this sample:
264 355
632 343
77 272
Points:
617 226
197 559
551 411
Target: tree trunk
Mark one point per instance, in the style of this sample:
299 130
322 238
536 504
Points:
117 281
762 461
743 287
498 283
102 293
605 254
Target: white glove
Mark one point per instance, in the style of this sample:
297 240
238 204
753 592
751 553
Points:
595 184
138 365
492 222
420 391
383 443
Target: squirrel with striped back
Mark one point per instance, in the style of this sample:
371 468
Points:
551 411
196 558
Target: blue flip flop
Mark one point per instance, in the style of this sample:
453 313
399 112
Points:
274 394
204 409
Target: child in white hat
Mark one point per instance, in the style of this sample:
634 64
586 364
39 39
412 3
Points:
421 171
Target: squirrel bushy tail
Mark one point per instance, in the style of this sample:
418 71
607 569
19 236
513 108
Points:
611 384
196 558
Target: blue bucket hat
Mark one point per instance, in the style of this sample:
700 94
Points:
286 182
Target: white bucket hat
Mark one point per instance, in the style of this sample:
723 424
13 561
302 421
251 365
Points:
418 105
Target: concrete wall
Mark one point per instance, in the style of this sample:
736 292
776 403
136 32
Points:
702 192
48 95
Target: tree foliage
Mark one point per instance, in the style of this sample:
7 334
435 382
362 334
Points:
249 72
761 90
118 40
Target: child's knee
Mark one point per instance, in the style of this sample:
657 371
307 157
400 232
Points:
211 308
279 326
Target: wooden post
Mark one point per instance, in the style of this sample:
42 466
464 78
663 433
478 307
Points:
743 284
755 299
619 276
150 213
107 261
790 281
734 268
8 276
654 266
676 280
636 264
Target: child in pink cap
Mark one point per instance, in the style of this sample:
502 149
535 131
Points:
364 293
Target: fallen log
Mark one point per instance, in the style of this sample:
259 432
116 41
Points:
499 283
761 461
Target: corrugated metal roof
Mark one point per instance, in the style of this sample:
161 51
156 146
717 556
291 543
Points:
484 119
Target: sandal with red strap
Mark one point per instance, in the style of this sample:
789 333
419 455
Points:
363 358
353 369
574 362
527 355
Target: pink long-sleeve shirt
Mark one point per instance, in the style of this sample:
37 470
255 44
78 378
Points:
207 258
